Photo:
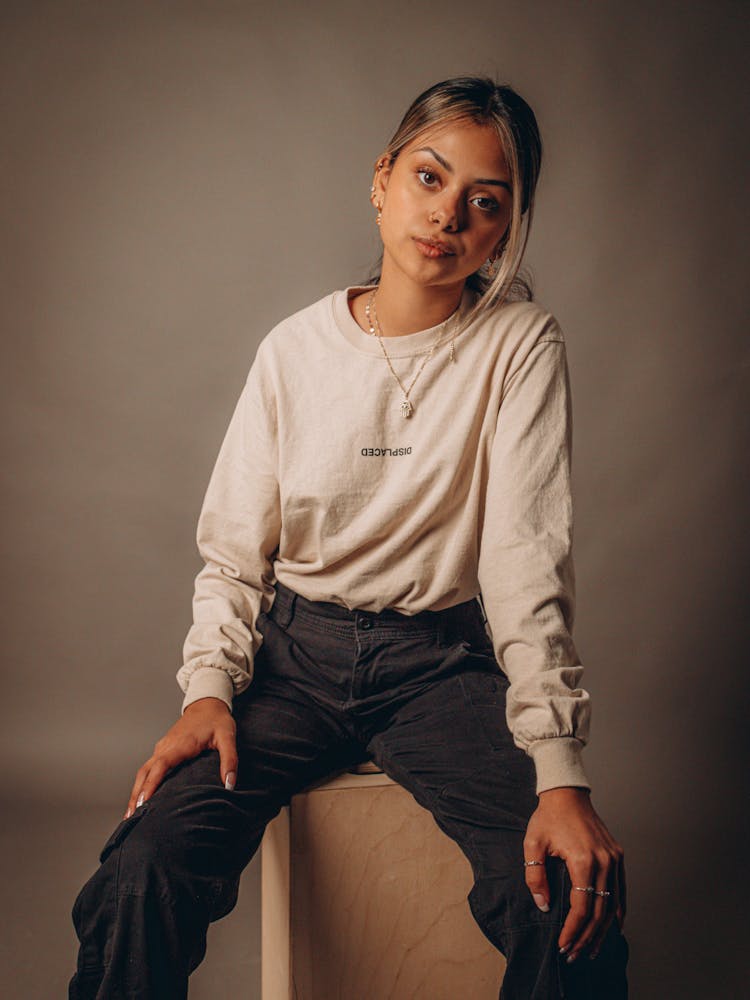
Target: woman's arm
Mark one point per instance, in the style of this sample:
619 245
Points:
525 569
527 581
238 532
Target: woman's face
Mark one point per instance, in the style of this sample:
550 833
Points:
446 203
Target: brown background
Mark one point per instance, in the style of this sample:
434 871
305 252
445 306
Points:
177 177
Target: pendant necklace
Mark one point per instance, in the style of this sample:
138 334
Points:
407 407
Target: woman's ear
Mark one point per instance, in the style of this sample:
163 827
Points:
383 167
501 244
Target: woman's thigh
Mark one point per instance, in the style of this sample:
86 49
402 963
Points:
450 746
174 866
195 827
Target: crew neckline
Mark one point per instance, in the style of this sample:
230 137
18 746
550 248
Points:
404 346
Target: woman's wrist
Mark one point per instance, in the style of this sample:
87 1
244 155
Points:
565 793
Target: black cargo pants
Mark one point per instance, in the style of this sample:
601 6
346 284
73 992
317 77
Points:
422 696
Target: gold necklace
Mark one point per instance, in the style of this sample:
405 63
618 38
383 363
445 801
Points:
407 407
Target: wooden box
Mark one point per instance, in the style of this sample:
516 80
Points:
364 898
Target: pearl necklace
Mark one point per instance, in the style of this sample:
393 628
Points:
407 407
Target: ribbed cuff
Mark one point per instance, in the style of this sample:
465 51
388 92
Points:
209 682
558 763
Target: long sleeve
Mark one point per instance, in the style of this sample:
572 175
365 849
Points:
525 568
238 532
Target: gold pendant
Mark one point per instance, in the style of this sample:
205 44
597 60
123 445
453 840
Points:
406 408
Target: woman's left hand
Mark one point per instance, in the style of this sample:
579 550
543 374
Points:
565 825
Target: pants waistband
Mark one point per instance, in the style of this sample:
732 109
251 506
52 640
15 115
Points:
467 613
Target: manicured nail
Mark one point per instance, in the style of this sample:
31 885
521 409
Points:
229 783
541 902
128 814
564 950
139 803
571 958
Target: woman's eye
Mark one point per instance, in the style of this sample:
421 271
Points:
427 177
486 204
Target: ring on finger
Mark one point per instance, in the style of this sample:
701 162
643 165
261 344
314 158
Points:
584 888
602 892
527 864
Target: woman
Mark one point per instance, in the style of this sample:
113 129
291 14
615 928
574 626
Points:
388 575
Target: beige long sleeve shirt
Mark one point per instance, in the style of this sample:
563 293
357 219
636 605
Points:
322 483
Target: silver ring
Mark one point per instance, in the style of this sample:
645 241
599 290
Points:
586 888
527 864
602 892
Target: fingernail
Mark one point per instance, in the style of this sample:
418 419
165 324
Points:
128 814
229 783
541 902
139 803
571 958
564 950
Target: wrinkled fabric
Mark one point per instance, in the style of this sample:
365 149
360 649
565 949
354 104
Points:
323 485
333 688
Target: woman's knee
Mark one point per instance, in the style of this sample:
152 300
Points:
174 829
501 902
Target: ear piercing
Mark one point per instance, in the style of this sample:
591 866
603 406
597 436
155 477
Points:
378 167
378 204
493 263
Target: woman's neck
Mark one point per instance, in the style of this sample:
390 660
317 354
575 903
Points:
404 307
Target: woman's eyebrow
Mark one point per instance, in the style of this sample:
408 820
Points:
444 163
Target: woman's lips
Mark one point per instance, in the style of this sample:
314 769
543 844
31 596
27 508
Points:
430 249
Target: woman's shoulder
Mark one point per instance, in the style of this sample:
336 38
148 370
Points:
526 321
287 339
512 331
294 323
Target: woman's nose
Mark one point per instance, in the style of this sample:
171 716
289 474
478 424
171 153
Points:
448 213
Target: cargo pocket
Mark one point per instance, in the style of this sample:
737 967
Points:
484 692
121 831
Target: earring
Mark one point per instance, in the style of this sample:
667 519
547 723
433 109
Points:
492 266
379 208
372 186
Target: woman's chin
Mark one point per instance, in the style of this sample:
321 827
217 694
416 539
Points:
446 269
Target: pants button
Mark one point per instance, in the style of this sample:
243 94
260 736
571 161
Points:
365 623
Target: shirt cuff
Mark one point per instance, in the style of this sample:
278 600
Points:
209 682
558 763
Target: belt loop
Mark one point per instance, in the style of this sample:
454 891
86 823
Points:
293 595
481 607
285 599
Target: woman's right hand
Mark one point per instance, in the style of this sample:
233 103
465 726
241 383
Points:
206 724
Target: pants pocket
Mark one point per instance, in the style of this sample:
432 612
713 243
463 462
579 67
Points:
121 831
484 692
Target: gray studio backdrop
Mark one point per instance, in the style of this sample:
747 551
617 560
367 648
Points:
177 177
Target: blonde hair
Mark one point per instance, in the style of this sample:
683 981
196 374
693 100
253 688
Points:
480 100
